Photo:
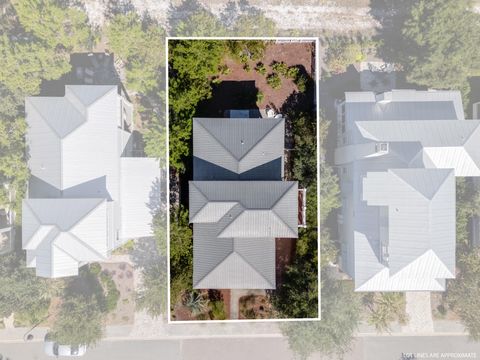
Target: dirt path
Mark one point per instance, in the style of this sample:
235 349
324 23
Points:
308 16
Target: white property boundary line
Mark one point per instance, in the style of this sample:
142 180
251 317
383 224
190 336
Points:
317 98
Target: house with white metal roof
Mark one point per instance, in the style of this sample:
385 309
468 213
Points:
398 154
88 193
238 203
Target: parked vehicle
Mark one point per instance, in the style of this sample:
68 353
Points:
52 348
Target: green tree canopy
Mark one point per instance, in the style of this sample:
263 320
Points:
21 288
200 23
463 293
81 318
334 333
25 64
193 64
181 254
140 44
80 321
56 24
439 44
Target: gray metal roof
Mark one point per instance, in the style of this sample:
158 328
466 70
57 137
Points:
404 105
421 214
236 217
76 143
238 145
231 263
399 206
59 234
266 208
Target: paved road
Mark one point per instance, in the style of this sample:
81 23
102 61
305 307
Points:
260 348
422 347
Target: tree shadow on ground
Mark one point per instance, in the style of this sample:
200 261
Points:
298 102
145 253
391 15
87 69
118 7
86 284
229 95
177 13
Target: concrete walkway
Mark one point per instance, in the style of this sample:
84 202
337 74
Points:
419 313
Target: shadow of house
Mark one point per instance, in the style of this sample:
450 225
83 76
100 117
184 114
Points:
228 95
96 188
87 69
205 170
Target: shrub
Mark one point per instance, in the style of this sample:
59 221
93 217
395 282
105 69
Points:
34 314
301 83
224 69
292 72
217 311
260 97
246 67
95 268
280 67
342 52
112 297
112 294
195 302
261 69
274 81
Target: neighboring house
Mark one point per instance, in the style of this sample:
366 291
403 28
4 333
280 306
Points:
398 154
87 194
239 204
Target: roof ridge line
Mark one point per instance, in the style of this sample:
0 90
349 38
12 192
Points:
83 243
232 221
284 223
392 171
201 193
217 140
253 267
218 264
262 138
114 87
88 213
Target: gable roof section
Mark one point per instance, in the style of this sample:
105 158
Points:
59 234
404 104
231 263
238 145
85 118
265 207
442 143
421 225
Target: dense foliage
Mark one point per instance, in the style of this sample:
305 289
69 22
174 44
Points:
181 255
334 333
463 293
193 64
85 304
140 44
21 288
436 43
36 39
384 308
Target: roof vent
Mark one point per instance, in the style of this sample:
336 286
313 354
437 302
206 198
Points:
242 142
384 98
381 148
